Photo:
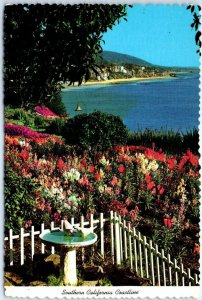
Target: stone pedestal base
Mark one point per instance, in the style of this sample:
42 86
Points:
68 266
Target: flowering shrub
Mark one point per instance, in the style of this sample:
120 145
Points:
45 111
19 130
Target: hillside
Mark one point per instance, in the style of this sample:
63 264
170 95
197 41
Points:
119 58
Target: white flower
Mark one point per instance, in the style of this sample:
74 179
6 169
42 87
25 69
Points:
72 175
103 161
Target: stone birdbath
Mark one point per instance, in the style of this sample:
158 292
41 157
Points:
68 243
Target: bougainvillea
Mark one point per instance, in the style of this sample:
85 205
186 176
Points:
45 111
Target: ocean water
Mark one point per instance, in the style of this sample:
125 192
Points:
166 103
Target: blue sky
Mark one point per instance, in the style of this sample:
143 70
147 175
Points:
160 34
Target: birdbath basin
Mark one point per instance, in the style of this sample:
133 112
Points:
68 245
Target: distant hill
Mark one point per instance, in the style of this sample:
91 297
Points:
118 58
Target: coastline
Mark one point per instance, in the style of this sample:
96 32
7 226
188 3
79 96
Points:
119 80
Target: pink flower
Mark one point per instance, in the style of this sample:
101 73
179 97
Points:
114 181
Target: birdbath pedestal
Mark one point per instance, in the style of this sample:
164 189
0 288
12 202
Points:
68 245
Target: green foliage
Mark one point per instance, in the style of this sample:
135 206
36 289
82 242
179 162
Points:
104 282
40 121
54 281
57 126
21 115
97 130
168 140
195 10
19 199
56 104
45 45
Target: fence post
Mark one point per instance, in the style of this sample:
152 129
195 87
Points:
117 240
101 235
112 235
22 246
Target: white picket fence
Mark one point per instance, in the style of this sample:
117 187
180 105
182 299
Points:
128 246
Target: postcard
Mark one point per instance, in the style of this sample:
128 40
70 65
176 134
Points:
101 149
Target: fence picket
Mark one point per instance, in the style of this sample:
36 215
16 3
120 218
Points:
101 235
125 240
121 239
82 250
117 240
152 262
176 274
42 245
130 247
157 265
93 247
146 256
112 234
32 242
140 253
182 273
22 246
11 246
163 267
169 269
196 282
189 276
135 249
52 247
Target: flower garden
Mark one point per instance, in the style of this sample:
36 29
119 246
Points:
47 180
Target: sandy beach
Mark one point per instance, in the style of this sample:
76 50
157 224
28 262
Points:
120 80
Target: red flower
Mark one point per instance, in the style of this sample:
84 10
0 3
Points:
92 169
24 154
15 142
56 216
97 176
167 222
147 178
161 191
83 161
150 185
121 168
60 164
